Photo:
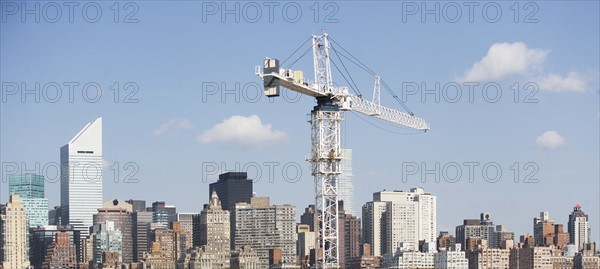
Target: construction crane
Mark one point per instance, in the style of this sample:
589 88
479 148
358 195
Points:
326 118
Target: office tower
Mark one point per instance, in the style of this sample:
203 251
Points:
308 217
214 225
141 233
118 212
41 238
484 229
232 188
408 217
62 253
186 221
81 177
137 205
349 233
264 227
306 241
345 184
579 227
106 239
30 187
451 257
163 214
16 234
374 229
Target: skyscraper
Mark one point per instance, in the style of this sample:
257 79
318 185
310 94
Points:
118 212
214 225
16 235
81 177
232 188
265 227
579 227
30 187
345 184
408 217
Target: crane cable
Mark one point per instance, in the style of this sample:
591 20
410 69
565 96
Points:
282 63
370 71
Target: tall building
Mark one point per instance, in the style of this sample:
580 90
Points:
163 214
137 205
306 241
81 177
349 233
408 217
41 238
214 225
543 230
106 239
345 184
16 235
484 229
445 241
579 227
308 217
186 221
232 188
30 187
118 212
62 253
265 227
373 226
142 220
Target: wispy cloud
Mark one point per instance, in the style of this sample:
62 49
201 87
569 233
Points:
171 127
572 82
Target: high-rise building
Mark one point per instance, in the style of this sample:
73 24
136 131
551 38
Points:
142 220
543 230
373 226
408 217
54 216
30 187
186 221
308 217
62 253
265 227
214 225
137 205
445 241
163 214
16 234
349 233
42 237
232 188
106 239
306 241
345 184
81 177
484 229
579 227
118 212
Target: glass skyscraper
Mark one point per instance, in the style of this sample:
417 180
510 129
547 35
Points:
81 177
31 189
345 184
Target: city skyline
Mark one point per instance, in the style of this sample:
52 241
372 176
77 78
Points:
512 104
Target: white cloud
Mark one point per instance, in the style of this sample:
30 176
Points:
241 130
573 82
549 140
172 126
504 59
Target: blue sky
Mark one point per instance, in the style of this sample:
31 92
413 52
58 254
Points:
177 50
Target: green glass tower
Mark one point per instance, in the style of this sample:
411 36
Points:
30 187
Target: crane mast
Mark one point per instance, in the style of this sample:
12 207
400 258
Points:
326 119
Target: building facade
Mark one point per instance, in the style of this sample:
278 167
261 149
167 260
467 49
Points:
345 183
81 177
579 227
119 213
16 234
30 187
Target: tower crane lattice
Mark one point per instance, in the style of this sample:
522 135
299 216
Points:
326 118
